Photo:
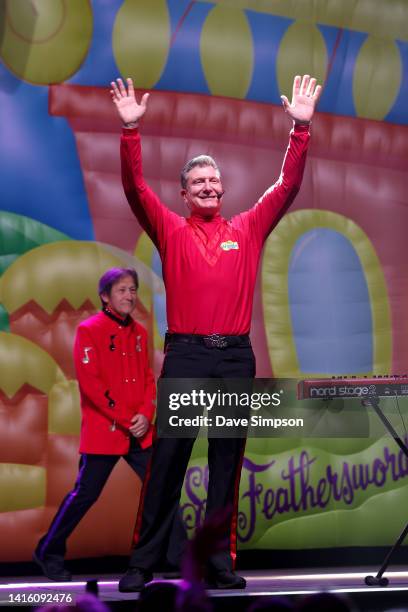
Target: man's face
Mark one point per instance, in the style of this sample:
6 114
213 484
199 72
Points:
203 187
122 298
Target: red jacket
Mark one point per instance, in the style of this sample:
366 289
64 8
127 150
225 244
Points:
115 383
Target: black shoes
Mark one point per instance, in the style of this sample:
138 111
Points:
225 580
134 580
53 568
170 571
172 574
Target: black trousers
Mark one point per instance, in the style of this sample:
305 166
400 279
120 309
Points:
94 471
171 456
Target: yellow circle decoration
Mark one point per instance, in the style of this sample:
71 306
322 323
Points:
52 272
36 23
302 51
377 78
46 41
141 40
22 487
23 362
275 269
64 409
227 53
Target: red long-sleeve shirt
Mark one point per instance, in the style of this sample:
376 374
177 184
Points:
115 383
210 266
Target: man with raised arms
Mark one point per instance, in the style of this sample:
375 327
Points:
209 270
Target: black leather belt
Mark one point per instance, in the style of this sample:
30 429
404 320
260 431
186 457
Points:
211 341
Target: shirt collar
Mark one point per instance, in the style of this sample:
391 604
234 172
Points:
124 322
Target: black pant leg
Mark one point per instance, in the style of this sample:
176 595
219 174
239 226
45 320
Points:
138 458
161 500
225 457
94 471
224 462
169 463
177 540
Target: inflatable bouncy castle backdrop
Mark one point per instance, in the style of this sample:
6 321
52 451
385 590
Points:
332 291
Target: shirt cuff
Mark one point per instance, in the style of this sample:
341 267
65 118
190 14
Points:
301 128
130 131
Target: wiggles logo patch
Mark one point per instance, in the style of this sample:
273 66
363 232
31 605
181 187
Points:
229 245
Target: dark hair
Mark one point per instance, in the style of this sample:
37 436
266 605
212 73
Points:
201 161
112 276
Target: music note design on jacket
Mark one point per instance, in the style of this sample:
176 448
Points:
85 358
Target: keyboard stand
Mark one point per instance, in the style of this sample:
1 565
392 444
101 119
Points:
378 579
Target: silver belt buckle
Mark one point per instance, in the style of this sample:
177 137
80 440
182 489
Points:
215 341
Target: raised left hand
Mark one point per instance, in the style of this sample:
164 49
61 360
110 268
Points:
305 95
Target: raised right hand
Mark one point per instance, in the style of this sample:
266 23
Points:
129 110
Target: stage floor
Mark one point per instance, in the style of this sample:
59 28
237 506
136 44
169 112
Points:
291 583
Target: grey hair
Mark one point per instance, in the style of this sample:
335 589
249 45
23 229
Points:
201 161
